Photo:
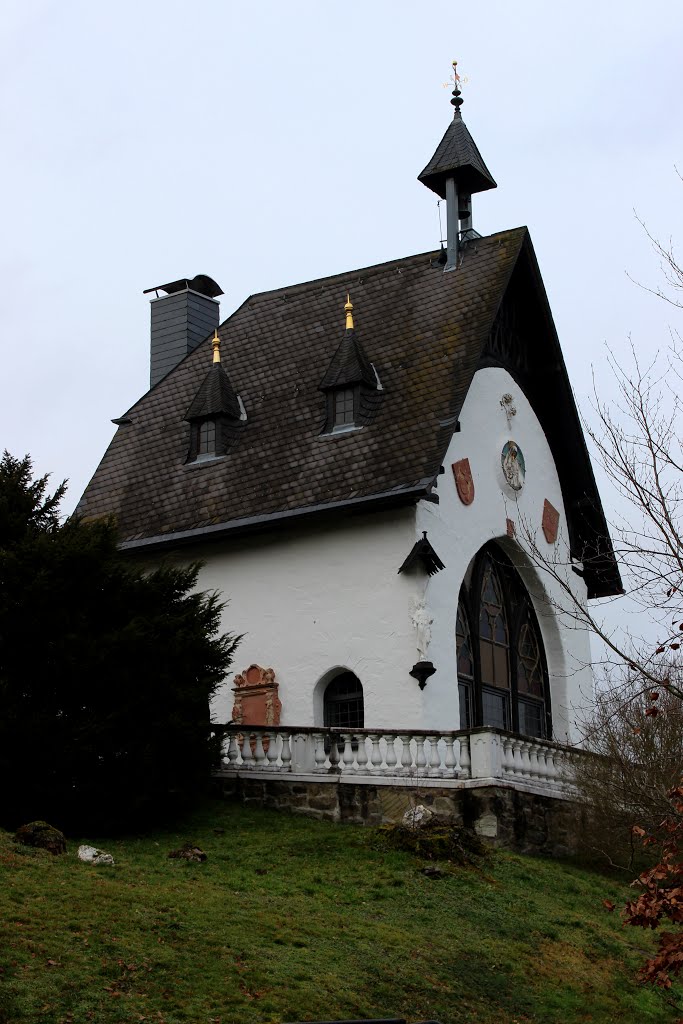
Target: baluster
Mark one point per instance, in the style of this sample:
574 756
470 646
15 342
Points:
233 752
517 763
406 756
390 753
533 761
451 760
464 759
540 764
561 764
247 756
434 756
375 753
420 760
286 752
259 752
347 756
508 759
334 751
319 754
273 751
361 754
551 765
567 771
526 763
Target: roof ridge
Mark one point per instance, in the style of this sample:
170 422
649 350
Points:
431 253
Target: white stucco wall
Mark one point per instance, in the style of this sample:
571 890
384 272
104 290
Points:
458 531
313 599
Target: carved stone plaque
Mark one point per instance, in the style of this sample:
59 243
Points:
256 697
463 481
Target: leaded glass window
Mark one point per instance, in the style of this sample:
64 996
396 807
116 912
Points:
529 669
493 631
465 659
502 679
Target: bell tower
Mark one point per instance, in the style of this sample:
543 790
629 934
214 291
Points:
455 173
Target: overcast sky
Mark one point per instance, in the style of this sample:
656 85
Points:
270 143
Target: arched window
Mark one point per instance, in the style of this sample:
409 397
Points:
502 680
343 703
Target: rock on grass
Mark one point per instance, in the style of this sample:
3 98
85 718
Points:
41 835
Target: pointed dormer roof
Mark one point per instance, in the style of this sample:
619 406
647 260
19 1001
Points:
349 364
457 157
216 396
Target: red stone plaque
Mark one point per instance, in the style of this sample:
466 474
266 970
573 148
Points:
256 697
550 522
463 481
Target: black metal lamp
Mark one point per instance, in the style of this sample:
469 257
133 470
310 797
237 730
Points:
421 671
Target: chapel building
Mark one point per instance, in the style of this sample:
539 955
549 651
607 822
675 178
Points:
364 463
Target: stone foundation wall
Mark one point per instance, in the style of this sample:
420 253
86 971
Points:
503 816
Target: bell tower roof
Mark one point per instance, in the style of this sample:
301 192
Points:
457 156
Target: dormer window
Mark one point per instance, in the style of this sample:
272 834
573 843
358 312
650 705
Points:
352 387
344 408
216 414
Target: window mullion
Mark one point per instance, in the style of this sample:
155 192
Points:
515 627
470 609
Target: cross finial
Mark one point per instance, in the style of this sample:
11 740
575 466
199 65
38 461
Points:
216 345
456 101
348 309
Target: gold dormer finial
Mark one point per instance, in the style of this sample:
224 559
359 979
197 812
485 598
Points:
348 309
216 343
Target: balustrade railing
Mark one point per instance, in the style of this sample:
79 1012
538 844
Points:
400 754
360 752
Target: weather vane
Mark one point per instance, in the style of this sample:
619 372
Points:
455 78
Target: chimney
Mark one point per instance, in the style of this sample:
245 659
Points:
181 318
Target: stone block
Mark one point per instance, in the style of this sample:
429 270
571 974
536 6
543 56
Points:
487 826
324 802
445 807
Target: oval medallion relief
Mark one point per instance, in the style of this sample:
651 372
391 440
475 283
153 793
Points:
512 461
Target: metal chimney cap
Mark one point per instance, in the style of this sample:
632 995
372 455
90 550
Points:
202 283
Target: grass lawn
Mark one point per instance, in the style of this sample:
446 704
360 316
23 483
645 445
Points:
291 919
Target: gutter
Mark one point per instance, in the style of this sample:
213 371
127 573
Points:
250 524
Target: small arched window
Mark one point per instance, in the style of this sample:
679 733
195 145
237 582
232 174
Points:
343 703
502 680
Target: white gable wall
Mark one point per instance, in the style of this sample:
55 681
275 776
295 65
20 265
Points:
458 531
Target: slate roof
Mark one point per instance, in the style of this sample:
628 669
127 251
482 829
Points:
457 155
426 333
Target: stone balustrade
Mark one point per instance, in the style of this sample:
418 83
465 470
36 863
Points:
465 757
